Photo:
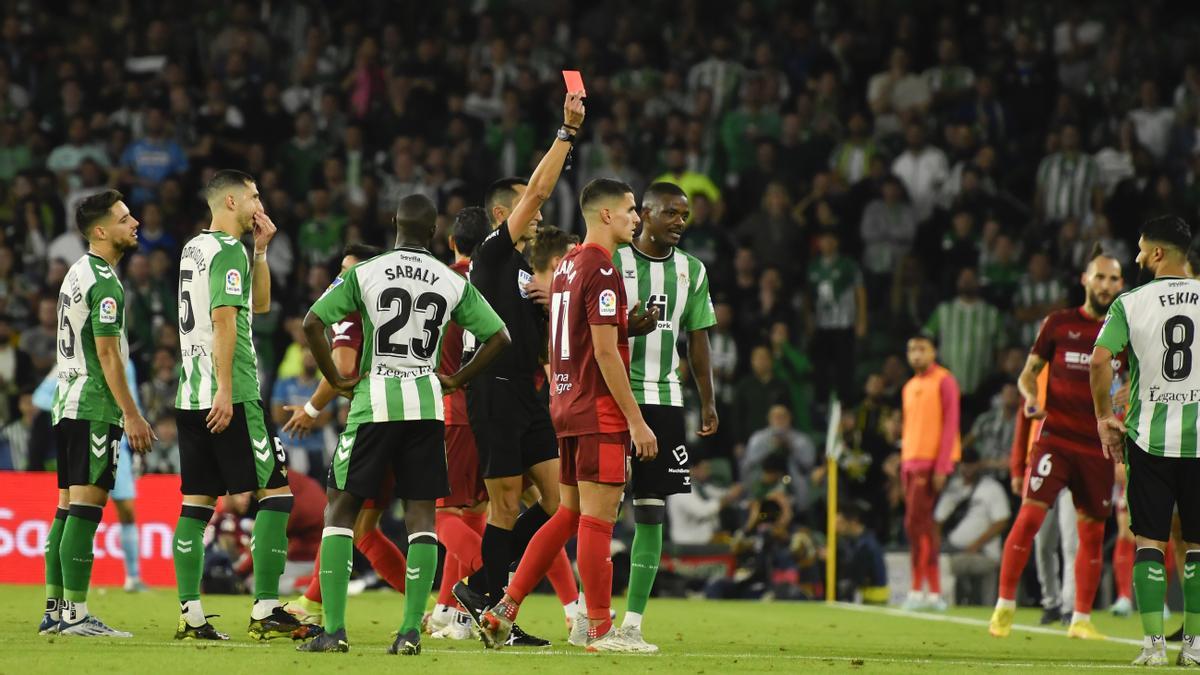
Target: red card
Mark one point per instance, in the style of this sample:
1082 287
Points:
574 81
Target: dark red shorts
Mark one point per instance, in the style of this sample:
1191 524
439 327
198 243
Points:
594 458
462 460
1088 475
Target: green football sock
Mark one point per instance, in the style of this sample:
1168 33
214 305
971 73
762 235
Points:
422 566
75 551
189 550
643 565
54 577
269 545
337 557
1150 589
1191 594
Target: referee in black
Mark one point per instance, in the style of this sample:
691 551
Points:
512 426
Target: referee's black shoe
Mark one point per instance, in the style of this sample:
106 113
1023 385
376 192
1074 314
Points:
519 638
474 602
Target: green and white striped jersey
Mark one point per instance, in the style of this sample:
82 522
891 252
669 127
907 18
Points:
91 304
1155 325
405 297
214 271
678 286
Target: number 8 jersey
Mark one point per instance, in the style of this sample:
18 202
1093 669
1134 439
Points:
214 271
406 298
1157 322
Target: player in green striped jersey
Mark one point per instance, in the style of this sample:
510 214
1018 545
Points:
405 298
92 403
673 285
1155 325
224 444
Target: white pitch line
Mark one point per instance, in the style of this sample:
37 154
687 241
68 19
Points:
967 621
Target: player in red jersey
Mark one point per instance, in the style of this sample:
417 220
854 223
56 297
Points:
595 416
1066 453
382 553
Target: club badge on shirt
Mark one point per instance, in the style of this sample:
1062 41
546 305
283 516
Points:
523 279
108 310
608 302
233 282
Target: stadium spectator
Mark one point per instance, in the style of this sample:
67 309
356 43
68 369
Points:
1067 181
1039 292
696 516
152 158
991 434
888 228
922 168
754 395
973 512
307 454
780 439
40 341
968 332
862 571
836 318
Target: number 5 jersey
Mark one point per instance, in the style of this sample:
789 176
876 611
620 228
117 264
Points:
405 298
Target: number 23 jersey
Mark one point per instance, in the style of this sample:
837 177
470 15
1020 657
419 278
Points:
1157 322
586 291
405 298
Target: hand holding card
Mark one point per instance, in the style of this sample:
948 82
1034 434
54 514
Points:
574 82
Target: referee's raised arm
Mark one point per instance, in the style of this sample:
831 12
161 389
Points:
545 176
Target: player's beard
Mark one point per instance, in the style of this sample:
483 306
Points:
1098 306
1145 275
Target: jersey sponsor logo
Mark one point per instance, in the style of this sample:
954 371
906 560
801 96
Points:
1084 359
108 310
681 455
630 274
104 274
606 271
608 302
340 330
1035 483
344 445
1156 395
1074 335
233 282
381 370
523 279
99 445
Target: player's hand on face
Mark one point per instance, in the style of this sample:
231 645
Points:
300 423
644 443
221 412
538 292
642 322
264 231
1112 438
449 383
139 433
708 419
573 112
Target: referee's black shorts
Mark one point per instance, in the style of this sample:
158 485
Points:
1155 486
512 426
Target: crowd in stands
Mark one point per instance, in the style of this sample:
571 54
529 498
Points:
857 172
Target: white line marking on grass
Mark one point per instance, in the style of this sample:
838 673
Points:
848 660
967 621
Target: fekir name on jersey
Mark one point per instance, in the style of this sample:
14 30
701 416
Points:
1157 323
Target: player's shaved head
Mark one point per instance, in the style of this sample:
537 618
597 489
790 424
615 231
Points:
602 192
660 192
416 219
503 193
223 181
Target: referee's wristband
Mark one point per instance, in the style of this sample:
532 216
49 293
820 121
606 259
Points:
310 410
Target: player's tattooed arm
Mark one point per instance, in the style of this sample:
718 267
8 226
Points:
1111 429
108 351
698 359
486 354
1028 385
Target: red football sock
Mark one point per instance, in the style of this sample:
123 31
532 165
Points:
461 541
1017 548
450 576
313 592
1089 562
539 555
475 521
595 567
562 578
1122 562
385 558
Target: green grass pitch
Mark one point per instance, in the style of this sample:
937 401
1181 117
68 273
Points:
696 637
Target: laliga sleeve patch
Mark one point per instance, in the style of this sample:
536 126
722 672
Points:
608 302
108 310
233 282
